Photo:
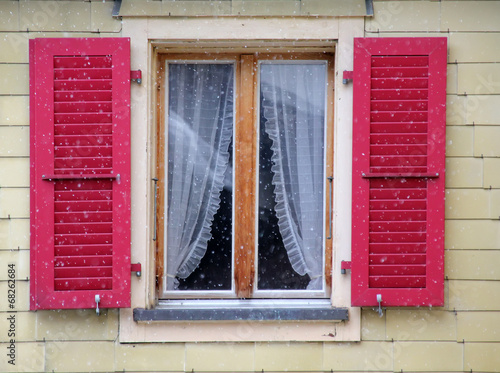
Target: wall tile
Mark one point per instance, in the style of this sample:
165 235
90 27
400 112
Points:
372 326
30 357
14 141
472 234
70 325
22 296
15 172
14 79
467 204
473 264
101 19
459 141
288 357
363 357
474 295
64 356
14 234
24 326
428 356
451 79
482 110
404 16
490 172
478 326
220 357
486 141
14 110
421 325
21 261
482 357
14 46
470 15
456 110
55 16
479 78
9 14
464 172
474 47
14 202
193 7
150 357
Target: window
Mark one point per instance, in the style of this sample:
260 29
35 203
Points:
244 169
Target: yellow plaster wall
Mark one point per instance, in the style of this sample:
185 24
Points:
463 335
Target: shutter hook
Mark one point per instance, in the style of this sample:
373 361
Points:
97 300
379 300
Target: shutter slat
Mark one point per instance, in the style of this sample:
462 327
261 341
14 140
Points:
397 259
397 83
398 171
71 62
396 248
82 140
81 90
83 227
83 250
83 284
83 85
399 94
410 127
399 71
83 216
71 96
85 272
406 281
83 130
399 105
82 73
399 61
83 260
395 270
83 107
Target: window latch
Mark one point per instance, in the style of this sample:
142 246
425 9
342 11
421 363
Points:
136 76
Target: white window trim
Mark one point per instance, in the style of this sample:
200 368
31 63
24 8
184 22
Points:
278 34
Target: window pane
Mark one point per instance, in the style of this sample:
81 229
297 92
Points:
291 176
199 197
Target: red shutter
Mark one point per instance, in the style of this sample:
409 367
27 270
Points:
398 171
80 172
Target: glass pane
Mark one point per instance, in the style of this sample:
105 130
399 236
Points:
199 198
291 176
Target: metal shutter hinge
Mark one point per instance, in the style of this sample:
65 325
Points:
136 76
346 76
136 267
344 266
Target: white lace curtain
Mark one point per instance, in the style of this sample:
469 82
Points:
200 125
294 107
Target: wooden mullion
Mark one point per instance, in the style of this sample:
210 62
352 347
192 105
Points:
245 179
330 97
159 243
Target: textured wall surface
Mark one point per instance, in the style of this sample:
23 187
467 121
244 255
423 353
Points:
464 335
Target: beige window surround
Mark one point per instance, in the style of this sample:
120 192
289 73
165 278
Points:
148 36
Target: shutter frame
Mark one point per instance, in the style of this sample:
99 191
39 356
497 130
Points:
46 172
363 292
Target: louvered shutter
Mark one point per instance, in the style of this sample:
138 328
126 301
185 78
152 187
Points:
398 171
80 172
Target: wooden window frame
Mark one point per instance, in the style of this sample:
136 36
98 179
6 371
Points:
245 189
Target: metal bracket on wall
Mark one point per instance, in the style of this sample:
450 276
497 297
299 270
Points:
346 76
136 76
